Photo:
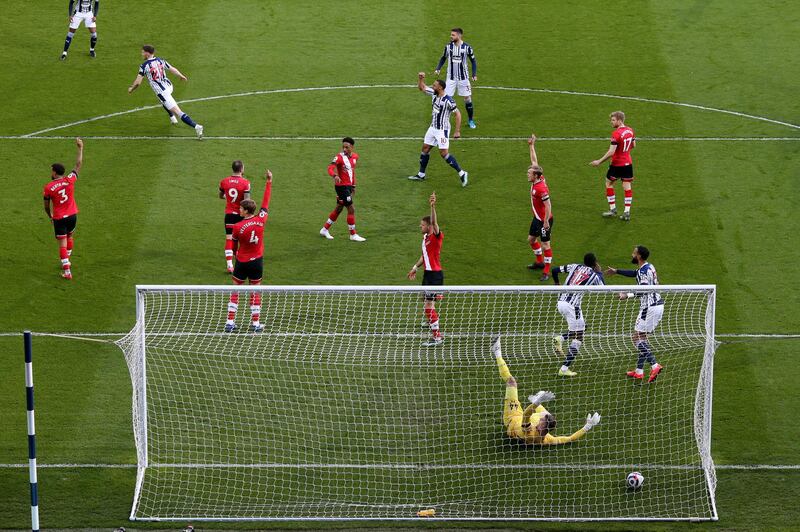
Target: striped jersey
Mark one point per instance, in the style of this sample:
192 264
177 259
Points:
83 6
443 106
155 70
646 276
432 250
456 55
579 275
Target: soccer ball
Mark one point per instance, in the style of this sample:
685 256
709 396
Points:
635 480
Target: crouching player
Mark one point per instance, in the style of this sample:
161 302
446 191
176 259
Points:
534 424
249 234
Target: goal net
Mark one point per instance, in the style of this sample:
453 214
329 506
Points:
336 410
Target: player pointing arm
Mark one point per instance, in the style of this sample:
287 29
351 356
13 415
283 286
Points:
433 276
535 424
64 214
542 209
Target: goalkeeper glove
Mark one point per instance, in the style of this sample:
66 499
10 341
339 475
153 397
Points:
541 397
592 420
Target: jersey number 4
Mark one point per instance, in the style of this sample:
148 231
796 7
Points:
253 237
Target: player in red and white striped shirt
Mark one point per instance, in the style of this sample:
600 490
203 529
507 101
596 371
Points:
623 140
233 189
433 276
61 192
343 171
249 234
539 232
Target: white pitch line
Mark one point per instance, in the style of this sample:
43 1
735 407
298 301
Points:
397 86
733 467
400 138
79 335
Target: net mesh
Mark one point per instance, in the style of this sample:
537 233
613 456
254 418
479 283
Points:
337 409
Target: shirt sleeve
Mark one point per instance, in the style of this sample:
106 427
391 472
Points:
96 7
72 176
615 138
141 69
46 193
429 91
471 55
452 104
442 59
166 64
549 439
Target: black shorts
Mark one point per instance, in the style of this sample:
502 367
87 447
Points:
65 226
537 230
620 172
231 219
253 270
433 278
344 195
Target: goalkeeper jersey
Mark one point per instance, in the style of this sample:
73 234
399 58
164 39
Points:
528 433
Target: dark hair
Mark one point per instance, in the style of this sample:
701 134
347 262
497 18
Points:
441 83
643 252
349 140
458 30
149 48
590 260
551 423
249 206
426 219
237 165
58 168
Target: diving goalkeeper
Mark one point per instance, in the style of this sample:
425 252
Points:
532 426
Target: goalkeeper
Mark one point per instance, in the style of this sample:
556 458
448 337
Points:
534 425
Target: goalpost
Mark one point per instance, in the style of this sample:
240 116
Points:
337 410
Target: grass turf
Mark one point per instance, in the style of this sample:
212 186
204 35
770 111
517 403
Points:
710 211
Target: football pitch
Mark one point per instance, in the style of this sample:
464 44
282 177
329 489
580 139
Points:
710 89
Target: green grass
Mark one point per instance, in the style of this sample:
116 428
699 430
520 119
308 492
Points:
711 212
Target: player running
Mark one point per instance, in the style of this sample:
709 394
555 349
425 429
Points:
155 70
623 140
433 276
438 133
343 171
533 426
233 189
542 223
650 313
64 215
249 234
82 11
569 306
456 53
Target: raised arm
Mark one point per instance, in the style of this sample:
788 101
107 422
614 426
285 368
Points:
434 220
79 158
421 82
532 149
592 420
264 212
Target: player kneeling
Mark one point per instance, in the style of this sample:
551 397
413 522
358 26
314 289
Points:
534 424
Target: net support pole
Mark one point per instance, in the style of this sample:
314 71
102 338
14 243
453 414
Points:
31 432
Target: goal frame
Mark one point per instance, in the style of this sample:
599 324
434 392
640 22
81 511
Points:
702 406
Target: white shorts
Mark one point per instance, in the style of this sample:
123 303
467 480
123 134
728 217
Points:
463 86
166 98
574 317
86 18
438 138
649 322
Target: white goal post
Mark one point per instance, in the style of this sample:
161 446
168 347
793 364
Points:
338 410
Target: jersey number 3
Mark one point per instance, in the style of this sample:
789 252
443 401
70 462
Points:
64 197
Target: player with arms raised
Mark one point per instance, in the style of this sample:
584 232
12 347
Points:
60 191
343 171
623 140
233 189
155 70
438 133
433 275
82 11
456 53
249 234
650 312
542 223
535 424
569 306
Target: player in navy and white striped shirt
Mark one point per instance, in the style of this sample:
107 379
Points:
155 70
82 11
650 312
569 306
438 133
455 54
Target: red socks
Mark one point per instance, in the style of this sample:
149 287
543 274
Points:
228 249
612 199
537 250
433 319
255 307
70 243
548 258
628 200
351 223
331 218
233 305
